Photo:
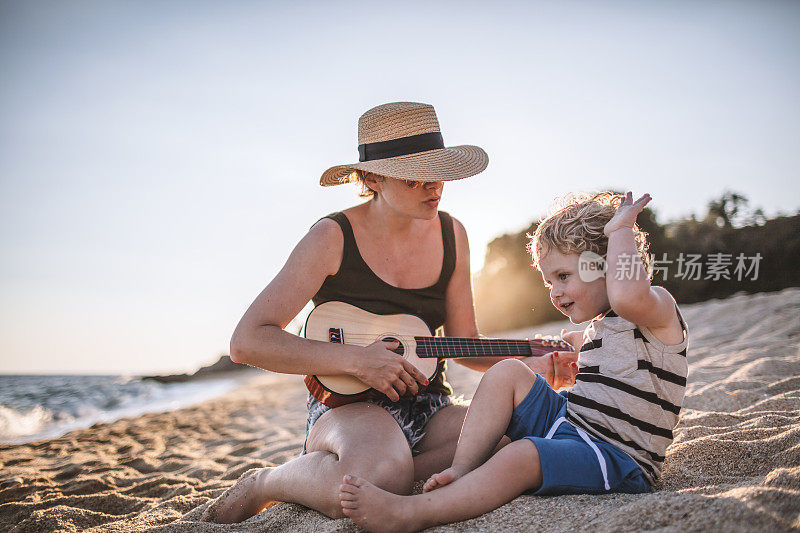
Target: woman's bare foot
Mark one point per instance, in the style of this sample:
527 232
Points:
374 509
243 500
443 478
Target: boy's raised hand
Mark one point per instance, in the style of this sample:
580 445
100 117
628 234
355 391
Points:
626 214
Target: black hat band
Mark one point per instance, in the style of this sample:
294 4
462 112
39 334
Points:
402 146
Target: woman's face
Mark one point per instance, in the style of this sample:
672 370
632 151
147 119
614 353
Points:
417 199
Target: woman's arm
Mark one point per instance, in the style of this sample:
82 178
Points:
259 339
461 322
459 305
459 302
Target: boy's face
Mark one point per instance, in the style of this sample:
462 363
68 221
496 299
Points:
578 300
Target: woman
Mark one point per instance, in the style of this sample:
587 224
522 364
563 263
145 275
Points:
395 253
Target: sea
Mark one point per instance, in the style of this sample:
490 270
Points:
35 407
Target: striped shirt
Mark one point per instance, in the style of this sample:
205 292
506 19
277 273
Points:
629 388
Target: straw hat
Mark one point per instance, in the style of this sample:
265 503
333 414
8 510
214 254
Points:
402 140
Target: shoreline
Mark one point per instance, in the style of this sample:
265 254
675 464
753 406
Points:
735 462
87 400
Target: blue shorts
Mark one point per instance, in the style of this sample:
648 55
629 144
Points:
570 465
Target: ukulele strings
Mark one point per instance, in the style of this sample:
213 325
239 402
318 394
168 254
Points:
452 340
464 346
428 340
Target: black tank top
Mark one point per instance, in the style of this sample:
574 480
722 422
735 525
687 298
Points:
356 284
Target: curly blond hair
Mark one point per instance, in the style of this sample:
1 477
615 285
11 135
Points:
575 225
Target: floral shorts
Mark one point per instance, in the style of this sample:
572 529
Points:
412 413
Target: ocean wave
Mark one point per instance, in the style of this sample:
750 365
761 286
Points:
45 407
15 423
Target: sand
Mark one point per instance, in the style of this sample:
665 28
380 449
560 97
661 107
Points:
734 465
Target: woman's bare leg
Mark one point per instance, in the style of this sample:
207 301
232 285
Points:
436 449
438 446
507 474
359 438
501 389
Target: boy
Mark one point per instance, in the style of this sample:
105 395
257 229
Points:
610 432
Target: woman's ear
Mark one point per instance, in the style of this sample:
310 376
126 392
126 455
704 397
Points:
373 181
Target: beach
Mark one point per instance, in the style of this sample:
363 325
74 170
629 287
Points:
734 464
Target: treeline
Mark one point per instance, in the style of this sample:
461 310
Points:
732 249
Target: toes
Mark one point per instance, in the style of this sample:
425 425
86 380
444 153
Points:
347 492
348 504
432 483
346 487
353 480
439 480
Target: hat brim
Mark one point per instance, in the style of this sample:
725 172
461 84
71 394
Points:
445 164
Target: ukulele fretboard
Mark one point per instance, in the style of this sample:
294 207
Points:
471 347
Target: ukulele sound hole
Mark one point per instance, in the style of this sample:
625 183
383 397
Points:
399 350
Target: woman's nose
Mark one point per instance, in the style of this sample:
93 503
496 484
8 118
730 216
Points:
434 185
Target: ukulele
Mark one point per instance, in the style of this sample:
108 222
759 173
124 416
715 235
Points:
347 324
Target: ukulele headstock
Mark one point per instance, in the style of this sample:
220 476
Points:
543 345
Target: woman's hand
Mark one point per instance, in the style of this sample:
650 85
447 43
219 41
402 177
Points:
565 364
387 372
558 368
564 369
626 214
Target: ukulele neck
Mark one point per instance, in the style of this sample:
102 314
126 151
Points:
446 347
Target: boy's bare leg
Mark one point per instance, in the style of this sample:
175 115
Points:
360 438
507 474
501 389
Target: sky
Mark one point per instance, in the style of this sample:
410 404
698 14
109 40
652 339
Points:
159 160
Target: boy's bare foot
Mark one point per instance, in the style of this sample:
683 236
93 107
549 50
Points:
243 500
374 509
443 478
